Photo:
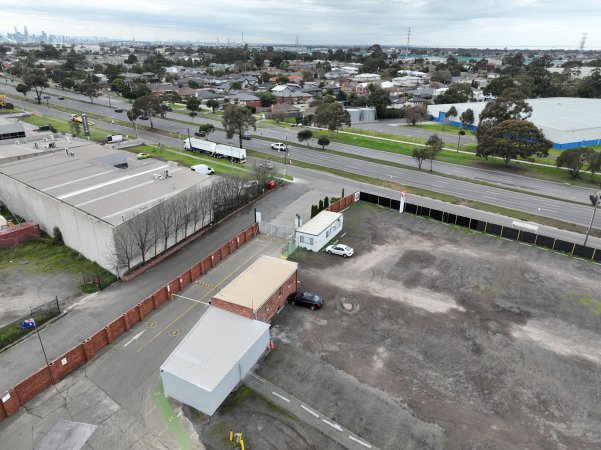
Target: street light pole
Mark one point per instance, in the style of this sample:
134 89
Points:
35 325
597 194
286 157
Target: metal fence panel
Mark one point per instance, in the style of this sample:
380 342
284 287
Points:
564 246
41 314
493 228
545 241
526 236
584 252
509 233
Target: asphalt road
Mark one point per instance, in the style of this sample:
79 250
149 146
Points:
568 212
400 128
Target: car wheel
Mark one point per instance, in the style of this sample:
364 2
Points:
329 251
345 255
312 308
292 302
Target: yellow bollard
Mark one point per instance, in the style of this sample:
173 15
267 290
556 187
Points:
242 444
231 435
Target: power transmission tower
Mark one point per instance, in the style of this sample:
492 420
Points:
582 42
408 39
297 40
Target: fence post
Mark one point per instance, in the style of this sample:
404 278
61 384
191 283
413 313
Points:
58 307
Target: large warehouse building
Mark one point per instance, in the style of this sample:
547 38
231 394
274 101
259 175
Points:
92 193
566 121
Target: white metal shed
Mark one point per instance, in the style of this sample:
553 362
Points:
213 358
318 231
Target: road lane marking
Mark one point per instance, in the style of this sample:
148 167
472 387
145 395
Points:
310 411
360 442
191 299
187 310
134 338
333 425
281 396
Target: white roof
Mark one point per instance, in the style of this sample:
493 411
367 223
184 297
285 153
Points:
558 113
319 223
257 283
213 347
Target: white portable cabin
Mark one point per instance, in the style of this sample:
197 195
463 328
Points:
213 358
318 231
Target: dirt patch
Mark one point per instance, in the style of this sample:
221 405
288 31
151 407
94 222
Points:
263 426
22 290
482 342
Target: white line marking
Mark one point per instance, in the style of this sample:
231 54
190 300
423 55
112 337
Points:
364 444
333 425
191 299
134 338
310 411
281 396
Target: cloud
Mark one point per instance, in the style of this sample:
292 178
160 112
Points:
460 23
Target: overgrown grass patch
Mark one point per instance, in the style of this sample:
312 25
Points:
44 257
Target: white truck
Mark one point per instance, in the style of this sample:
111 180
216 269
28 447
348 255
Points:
215 150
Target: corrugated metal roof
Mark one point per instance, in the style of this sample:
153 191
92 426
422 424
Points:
12 128
319 223
213 347
258 283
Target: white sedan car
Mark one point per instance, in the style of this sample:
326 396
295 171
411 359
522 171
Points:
279 146
340 249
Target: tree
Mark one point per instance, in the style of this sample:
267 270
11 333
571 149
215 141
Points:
574 158
590 87
131 59
119 86
148 106
237 120
23 89
415 114
37 81
213 104
594 164
332 116
379 99
88 89
267 99
206 128
193 105
68 83
452 112
467 117
420 154
132 115
457 93
500 110
193 84
434 145
75 128
511 139
496 86
323 141
305 136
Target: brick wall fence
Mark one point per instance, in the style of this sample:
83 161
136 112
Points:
36 383
10 237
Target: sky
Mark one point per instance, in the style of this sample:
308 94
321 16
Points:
434 23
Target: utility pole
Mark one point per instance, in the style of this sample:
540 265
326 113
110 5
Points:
596 203
35 325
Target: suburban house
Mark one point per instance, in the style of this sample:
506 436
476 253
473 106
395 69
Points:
245 99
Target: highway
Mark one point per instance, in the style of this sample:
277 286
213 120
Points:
565 211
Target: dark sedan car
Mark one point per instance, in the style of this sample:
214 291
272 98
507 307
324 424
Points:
119 110
305 299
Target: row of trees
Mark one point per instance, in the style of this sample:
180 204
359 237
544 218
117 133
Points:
143 236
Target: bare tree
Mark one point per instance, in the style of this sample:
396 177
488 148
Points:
165 224
141 229
176 214
125 246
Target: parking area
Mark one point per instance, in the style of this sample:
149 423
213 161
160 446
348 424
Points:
432 336
119 392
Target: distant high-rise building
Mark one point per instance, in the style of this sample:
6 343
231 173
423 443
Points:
26 33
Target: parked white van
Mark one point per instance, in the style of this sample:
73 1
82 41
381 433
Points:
203 168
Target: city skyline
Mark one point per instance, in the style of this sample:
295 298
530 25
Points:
533 23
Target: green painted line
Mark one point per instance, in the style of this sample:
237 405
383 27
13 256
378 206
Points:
176 428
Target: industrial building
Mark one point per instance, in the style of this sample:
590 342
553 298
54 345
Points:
320 230
213 358
566 121
89 192
362 115
261 290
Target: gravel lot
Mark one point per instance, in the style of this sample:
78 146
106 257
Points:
437 337
21 290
